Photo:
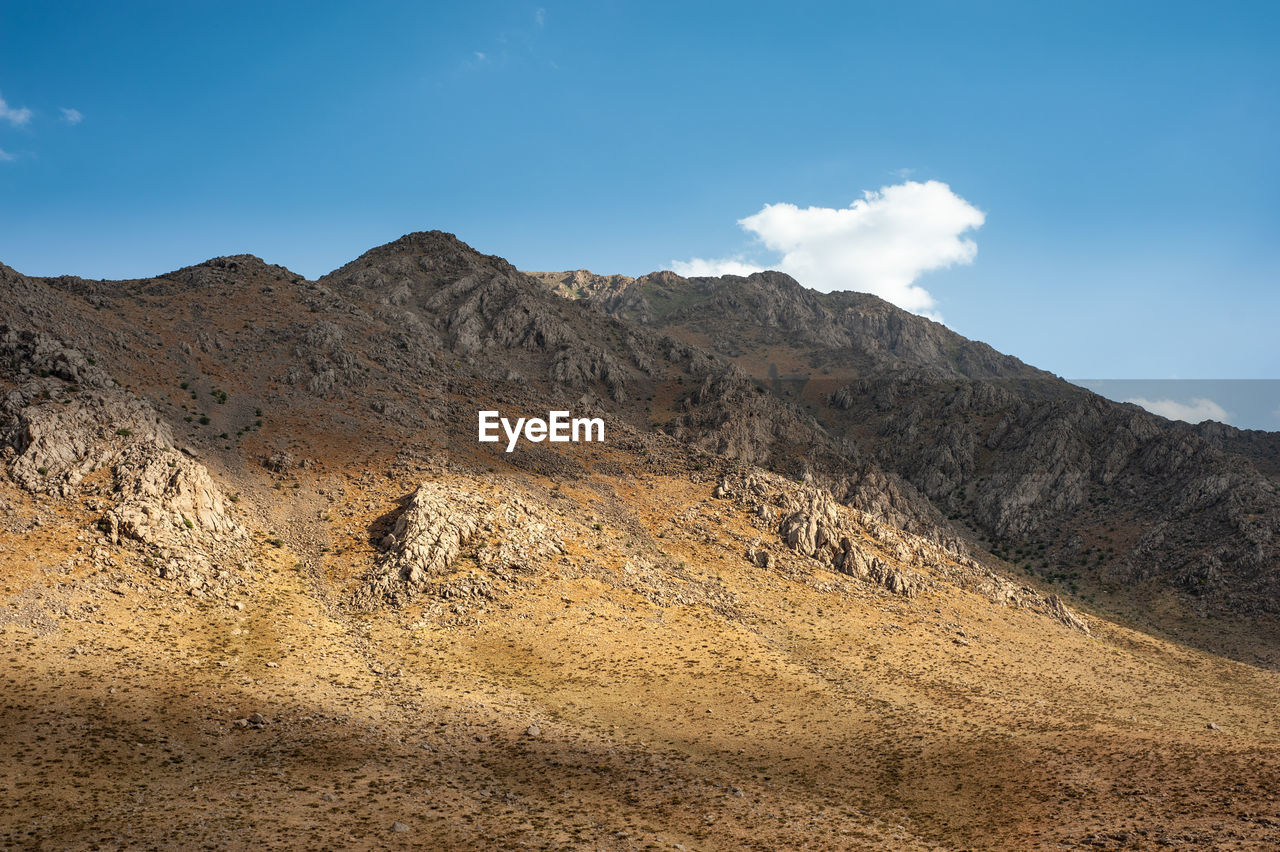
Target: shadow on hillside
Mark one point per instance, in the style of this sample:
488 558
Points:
380 527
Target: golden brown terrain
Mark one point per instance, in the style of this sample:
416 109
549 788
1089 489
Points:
807 713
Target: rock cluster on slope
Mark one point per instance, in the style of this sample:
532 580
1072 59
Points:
812 524
64 419
504 535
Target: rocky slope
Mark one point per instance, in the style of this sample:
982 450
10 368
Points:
261 581
1066 484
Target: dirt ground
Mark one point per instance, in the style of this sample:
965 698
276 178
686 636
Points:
573 712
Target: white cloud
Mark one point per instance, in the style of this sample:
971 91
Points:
699 267
17 117
879 244
5 156
540 17
1198 410
72 116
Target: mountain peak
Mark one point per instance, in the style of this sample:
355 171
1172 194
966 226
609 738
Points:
432 251
230 269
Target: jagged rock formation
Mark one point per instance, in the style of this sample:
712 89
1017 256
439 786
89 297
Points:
812 524
582 283
66 419
441 522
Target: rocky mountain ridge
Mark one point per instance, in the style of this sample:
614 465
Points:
1057 479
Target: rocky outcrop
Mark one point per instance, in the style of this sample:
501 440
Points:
813 525
810 523
167 500
65 419
505 536
169 506
54 445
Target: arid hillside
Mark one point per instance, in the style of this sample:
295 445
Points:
261 586
1091 494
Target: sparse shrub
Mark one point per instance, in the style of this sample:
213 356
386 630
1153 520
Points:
204 420
42 470
187 523
124 433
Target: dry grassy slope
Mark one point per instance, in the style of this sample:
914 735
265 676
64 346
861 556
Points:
845 717
682 694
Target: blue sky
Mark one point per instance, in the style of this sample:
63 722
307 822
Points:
1121 156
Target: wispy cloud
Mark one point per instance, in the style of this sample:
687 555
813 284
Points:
1196 411
17 116
881 243
5 156
71 115
510 49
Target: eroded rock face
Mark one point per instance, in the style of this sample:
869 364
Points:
167 499
65 419
442 521
812 524
56 444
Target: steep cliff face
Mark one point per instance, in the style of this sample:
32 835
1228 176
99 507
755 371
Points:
1059 480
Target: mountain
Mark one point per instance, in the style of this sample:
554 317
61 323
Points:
1063 482
262 583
